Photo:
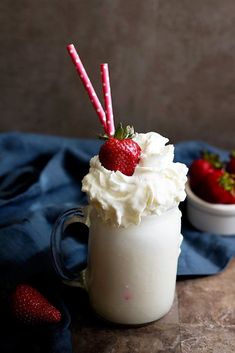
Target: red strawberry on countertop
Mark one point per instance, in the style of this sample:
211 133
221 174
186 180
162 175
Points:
231 164
203 166
30 307
120 152
218 187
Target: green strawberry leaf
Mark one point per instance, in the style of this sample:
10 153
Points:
121 133
213 159
227 181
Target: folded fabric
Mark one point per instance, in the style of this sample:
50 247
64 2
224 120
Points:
40 177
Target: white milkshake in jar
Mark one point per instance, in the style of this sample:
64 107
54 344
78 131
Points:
135 237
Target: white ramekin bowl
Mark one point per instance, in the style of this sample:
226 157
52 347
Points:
208 217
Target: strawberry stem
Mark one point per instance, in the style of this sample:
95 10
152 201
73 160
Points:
213 159
227 181
121 133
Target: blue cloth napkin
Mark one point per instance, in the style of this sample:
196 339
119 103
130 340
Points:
40 177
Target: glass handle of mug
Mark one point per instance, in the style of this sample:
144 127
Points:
71 216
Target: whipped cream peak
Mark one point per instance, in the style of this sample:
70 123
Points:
156 186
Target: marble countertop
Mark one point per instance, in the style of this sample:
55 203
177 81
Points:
201 320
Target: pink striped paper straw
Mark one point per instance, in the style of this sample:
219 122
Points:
107 99
87 84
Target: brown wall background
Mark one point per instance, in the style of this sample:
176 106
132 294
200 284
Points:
171 62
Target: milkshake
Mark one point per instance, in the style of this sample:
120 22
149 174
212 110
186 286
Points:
135 234
134 189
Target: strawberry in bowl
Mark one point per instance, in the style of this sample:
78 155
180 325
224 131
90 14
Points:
218 187
200 168
211 195
210 179
230 167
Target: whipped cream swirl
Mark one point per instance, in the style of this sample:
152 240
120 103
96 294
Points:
157 185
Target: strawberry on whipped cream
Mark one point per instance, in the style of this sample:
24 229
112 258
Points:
157 185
